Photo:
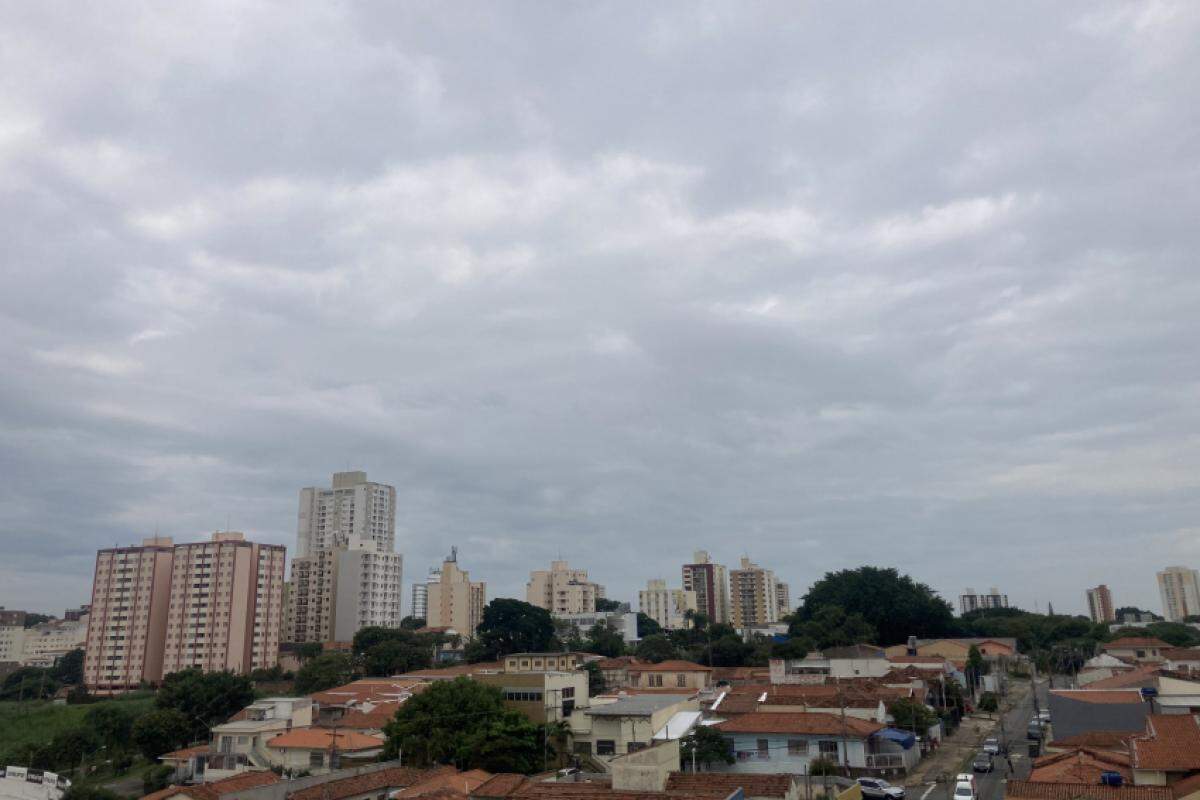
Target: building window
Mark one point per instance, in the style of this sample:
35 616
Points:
635 746
764 748
606 747
681 679
583 748
827 748
316 758
797 747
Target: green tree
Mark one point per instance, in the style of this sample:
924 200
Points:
389 651
596 683
156 778
68 669
605 641
28 683
204 698
895 605
32 619
604 604
161 731
111 723
708 746
911 715
463 722
794 648
656 648
67 748
989 702
324 672
512 626
823 766
412 623
80 791
647 626
730 650
309 650
831 626
975 665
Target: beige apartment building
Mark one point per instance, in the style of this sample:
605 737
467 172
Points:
1100 604
710 582
454 600
783 598
752 594
131 595
49 641
1179 588
226 605
667 607
562 590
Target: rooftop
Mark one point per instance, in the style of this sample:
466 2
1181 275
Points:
217 789
1135 641
800 723
1171 743
766 785
502 785
642 705
390 778
1083 791
324 739
673 665
1099 695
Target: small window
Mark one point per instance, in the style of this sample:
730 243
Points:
605 747
681 679
583 748
764 747
316 758
797 747
827 748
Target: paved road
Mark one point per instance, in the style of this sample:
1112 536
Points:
991 785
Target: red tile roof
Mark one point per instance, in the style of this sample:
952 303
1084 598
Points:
184 754
1171 743
1029 790
502 785
1082 765
1186 786
1098 740
1182 654
1134 642
360 720
324 739
217 789
369 690
1100 695
459 782
456 670
767 785
673 665
1146 675
390 778
799 722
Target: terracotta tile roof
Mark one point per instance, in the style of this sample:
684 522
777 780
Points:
390 778
217 789
673 665
620 662
456 670
601 790
738 704
799 722
1081 765
1182 654
1099 695
357 719
1172 742
1029 790
502 785
1146 675
1099 740
459 782
1134 641
369 690
766 785
185 753
917 659
1186 786
324 739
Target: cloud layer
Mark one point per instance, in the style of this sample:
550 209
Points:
820 286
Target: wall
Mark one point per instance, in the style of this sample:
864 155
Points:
646 770
779 759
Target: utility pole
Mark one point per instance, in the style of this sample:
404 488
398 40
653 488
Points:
845 744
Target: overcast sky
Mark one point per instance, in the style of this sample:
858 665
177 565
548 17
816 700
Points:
911 286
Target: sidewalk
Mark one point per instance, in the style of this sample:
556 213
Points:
947 760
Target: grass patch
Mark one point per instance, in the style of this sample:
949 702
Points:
37 721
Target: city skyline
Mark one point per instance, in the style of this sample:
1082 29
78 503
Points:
622 283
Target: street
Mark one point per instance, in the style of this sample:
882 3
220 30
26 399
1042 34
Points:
991 784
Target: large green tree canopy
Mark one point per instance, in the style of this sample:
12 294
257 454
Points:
895 605
205 698
512 626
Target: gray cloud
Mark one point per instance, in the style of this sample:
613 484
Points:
826 288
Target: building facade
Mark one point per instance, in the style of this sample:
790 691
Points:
420 601
971 601
131 595
226 606
710 582
352 507
454 600
752 595
12 644
1100 604
562 590
783 596
1179 588
667 607
49 641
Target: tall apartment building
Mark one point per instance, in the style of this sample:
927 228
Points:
47 642
783 597
12 644
1100 604
1179 588
127 629
710 582
562 590
971 601
752 594
162 607
226 606
667 607
346 575
454 600
420 601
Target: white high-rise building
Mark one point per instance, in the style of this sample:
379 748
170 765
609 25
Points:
420 601
346 575
1179 588
667 607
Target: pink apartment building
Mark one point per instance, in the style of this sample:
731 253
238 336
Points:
162 607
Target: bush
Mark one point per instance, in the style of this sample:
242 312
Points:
989 702
157 778
823 766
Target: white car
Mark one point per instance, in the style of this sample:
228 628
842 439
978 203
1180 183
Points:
965 787
1044 715
991 746
879 789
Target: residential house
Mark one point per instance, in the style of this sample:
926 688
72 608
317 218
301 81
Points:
240 743
957 649
542 696
1079 711
669 676
616 670
187 764
1080 765
545 662
1136 648
777 786
1176 695
1181 659
230 787
629 724
366 783
856 660
1099 667
1031 790
320 750
364 705
788 742
1168 751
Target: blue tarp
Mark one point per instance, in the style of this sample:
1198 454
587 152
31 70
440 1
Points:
903 738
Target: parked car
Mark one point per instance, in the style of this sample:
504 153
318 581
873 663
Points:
880 789
1034 731
991 746
982 762
965 787
1044 715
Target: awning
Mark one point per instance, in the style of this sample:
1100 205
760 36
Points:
902 738
679 725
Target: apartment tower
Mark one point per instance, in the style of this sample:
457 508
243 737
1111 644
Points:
752 592
783 598
667 607
226 605
562 590
127 629
454 600
1179 588
710 582
1100 604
